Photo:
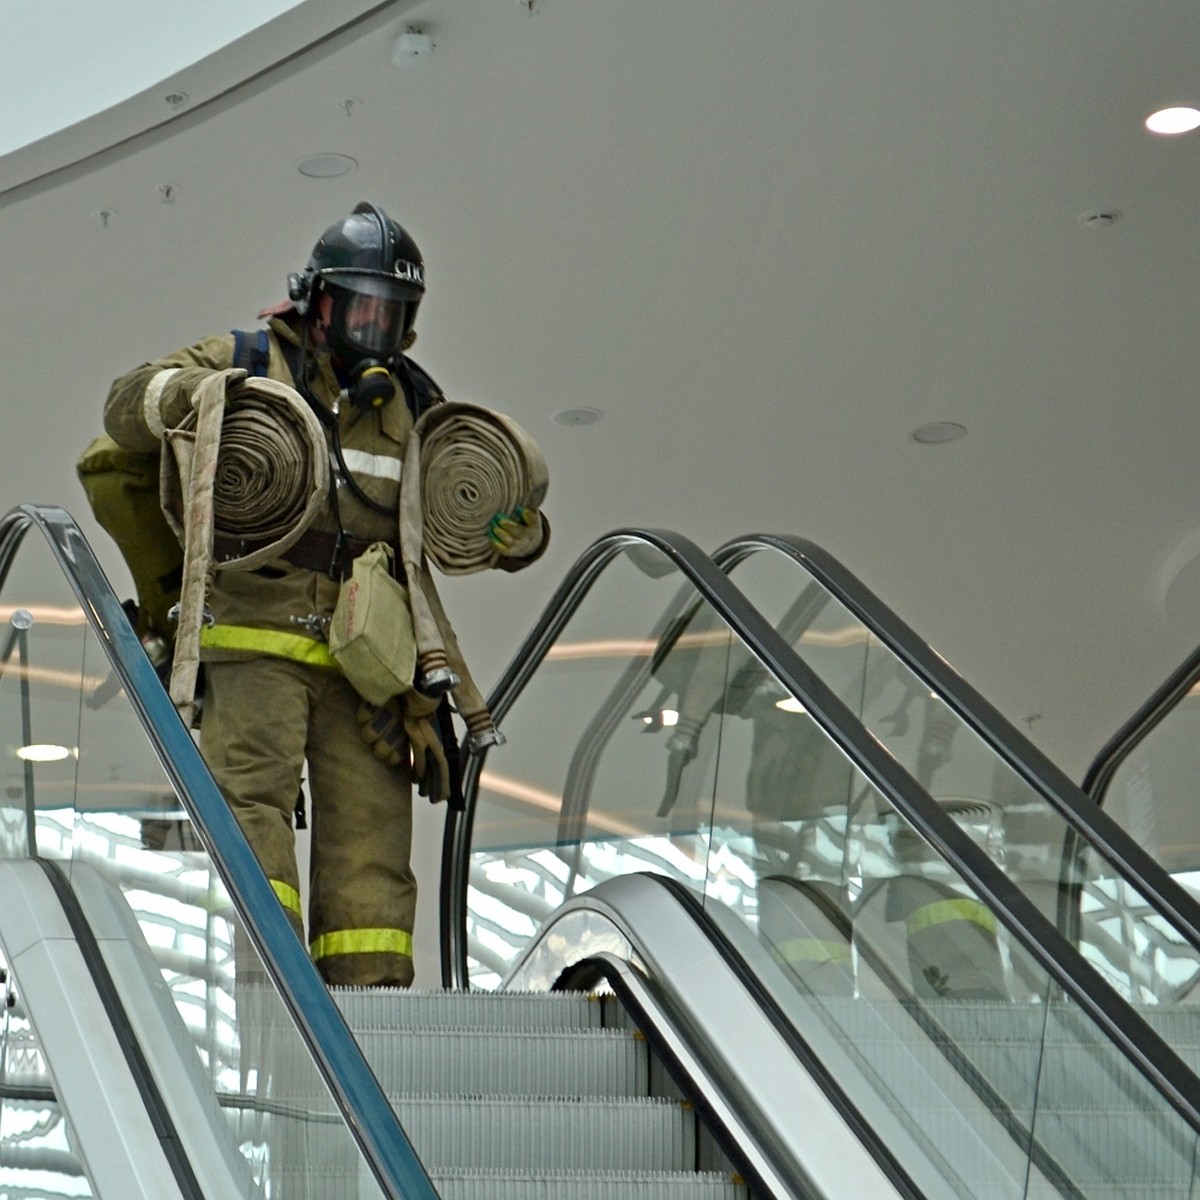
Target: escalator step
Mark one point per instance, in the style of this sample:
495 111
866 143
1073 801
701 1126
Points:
599 1185
382 1008
321 1183
1156 1149
514 1133
597 1062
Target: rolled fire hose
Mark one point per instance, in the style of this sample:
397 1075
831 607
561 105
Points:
474 463
243 477
463 464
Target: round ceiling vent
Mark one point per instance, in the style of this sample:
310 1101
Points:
326 166
937 433
577 416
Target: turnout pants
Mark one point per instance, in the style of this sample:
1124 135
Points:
263 719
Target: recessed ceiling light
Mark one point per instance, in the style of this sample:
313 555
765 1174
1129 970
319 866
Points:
577 416
1173 120
43 753
937 433
326 166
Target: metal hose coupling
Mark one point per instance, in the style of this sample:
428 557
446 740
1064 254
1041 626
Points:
436 681
477 743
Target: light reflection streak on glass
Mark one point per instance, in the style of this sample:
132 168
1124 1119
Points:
552 802
147 789
625 648
44 614
48 675
547 801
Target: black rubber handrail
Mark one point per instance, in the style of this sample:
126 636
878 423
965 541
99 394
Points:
1139 726
1081 814
1054 953
336 1054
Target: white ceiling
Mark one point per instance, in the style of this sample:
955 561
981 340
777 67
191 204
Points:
768 240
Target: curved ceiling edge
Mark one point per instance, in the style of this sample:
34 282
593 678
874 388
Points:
282 46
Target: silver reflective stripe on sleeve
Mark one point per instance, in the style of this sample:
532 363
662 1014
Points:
152 400
378 466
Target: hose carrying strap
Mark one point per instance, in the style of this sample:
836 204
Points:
243 476
462 465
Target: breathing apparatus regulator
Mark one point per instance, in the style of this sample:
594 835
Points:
372 272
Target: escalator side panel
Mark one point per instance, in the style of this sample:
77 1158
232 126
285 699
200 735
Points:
115 1136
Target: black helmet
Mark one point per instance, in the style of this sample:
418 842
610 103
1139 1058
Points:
373 270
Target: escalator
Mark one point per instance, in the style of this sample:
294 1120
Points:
978 960
196 1022
852 983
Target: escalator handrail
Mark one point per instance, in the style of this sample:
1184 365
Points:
658 917
1054 953
1139 726
335 1053
1078 809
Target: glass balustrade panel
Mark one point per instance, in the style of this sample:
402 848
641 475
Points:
1127 942
947 1036
601 775
1152 796
100 803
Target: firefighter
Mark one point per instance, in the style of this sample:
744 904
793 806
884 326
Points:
274 700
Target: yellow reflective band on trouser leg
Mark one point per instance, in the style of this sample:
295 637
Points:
288 896
941 912
812 950
275 642
362 941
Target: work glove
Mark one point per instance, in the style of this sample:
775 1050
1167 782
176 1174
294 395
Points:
430 769
383 730
518 534
405 730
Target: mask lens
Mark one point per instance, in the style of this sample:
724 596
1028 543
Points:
375 324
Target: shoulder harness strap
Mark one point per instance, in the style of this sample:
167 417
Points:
420 391
251 351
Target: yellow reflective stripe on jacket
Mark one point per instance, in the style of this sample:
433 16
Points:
941 912
362 941
288 896
267 641
812 950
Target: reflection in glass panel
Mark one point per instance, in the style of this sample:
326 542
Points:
602 775
39 751
36 1155
105 808
1119 934
1152 796
16 772
927 1011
